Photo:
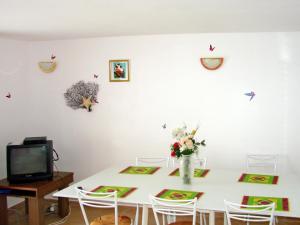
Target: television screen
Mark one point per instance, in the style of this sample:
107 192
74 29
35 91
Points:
28 160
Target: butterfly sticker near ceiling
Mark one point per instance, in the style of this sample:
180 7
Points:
251 95
96 76
8 95
211 63
53 57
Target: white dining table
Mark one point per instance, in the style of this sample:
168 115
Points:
217 185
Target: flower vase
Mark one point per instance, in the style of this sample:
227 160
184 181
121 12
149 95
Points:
186 169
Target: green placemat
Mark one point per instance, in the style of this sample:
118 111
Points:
281 204
144 170
197 172
122 192
258 178
178 194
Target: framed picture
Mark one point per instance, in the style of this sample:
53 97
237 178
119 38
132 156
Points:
119 70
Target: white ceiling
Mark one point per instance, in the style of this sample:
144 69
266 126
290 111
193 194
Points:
64 19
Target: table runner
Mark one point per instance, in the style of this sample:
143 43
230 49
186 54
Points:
197 172
122 192
172 194
258 178
281 204
140 170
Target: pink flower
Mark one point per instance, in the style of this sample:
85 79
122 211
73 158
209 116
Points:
189 144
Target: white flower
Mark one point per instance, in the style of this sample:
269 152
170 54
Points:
183 147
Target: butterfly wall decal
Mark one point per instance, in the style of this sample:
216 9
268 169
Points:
211 48
8 95
250 94
96 76
164 126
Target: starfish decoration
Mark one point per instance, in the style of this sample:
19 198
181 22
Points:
87 103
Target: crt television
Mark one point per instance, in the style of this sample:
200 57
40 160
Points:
29 162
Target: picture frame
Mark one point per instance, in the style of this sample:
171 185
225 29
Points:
119 70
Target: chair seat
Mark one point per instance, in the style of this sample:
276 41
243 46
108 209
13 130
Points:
182 223
110 220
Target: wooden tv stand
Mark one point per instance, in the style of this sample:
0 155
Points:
34 194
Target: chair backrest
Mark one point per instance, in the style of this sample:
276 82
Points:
198 162
97 200
161 161
249 213
173 208
261 162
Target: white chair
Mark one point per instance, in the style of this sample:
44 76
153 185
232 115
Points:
261 162
158 161
198 162
249 213
150 161
101 200
174 208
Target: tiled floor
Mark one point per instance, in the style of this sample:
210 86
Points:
17 216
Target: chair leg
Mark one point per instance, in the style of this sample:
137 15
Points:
201 218
275 220
136 219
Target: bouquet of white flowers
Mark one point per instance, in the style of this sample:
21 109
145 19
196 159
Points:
185 142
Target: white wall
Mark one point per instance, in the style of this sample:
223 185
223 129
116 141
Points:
13 79
291 56
168 85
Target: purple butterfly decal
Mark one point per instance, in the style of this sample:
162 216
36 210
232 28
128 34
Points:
8 95
211 48
96 76
251 94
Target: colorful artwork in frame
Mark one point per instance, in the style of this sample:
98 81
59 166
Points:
119 70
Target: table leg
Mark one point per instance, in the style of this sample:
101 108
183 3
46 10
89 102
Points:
36 211
63 207
26 206
211 218
145 215
3 210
